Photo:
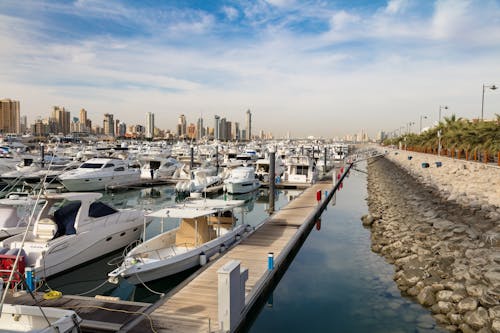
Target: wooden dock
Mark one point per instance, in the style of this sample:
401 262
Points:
99 315
193 307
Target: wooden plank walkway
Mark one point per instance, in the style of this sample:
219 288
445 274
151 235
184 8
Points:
193 306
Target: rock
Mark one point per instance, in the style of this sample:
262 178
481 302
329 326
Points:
475 290
495 326
493 277
494 312
458 295
444 307
455 318
367 220
441 319
477 319
426 296
466 305
484 330
444 295
466 328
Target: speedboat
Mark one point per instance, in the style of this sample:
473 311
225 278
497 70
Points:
241 180
30 318
207 227
99 173
71 229
15 210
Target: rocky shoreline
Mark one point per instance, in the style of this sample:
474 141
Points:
446 252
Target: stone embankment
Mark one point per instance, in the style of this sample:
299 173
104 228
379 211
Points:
442 237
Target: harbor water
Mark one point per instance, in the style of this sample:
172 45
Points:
337 284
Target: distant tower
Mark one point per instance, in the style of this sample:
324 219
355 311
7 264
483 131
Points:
83 120
108 124
199 129
181 126
150 125
216 128
249 125
9 116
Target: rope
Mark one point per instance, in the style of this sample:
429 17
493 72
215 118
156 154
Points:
114 310
149 289
94 289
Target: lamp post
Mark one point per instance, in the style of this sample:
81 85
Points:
492 87
441 107
424 117
408 127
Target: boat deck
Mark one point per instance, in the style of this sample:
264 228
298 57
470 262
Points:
99 315
192 306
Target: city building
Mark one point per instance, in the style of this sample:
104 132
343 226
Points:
216 127
191 131
62 119
200 130
84 120
10 116
150 125
108 125
248 125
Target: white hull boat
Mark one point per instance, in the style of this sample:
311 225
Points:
205 229
71 229
99 173
241 180
27 318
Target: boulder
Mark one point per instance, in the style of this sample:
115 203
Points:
477 319
495 326
455 318
444 295
468 304
426 296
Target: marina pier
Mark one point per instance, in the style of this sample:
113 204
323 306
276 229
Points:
193 305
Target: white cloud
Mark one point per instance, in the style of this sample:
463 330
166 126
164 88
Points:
396 6
230 12
343 19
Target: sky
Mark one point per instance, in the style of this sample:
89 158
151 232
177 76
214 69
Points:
311 67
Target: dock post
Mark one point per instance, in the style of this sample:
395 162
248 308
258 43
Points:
272 184
217 160
42 148
325 169
270 261
231 294
191 166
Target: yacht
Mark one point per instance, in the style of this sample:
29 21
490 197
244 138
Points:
207 227
241 180
98 173
71 229
262 168
300 169
15 210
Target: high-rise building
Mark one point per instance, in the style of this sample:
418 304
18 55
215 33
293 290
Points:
222 130
24 124
200 131
248 126
181 126
83 120
150 125
62 119
236 132
229 132
109 125
191 131
10 116
122 129
216 127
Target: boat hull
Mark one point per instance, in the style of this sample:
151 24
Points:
98 183
242 187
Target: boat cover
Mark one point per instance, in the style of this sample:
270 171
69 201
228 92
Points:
65 218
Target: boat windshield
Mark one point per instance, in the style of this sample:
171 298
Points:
91 166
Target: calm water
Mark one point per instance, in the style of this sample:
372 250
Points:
336 284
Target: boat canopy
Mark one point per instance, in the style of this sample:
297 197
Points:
191 209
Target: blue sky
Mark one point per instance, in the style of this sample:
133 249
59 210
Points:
321 68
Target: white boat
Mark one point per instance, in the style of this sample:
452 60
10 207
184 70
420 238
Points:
241 180
98 173
28 318
207 226
262 168
71 229
300 169
15 210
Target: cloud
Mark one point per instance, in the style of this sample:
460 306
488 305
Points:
230 12
396 6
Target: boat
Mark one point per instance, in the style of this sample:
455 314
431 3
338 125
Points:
71 229
99 173
262 168
15 210
30 318
300 169
207 227
241 180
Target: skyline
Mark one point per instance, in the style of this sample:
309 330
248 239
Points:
336 67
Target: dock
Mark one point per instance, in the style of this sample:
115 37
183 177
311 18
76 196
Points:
193 305
100 315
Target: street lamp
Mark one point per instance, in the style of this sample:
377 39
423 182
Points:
492 87
421 116
441 107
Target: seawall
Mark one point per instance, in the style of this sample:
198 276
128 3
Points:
442 236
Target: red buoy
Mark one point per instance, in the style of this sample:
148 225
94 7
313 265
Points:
318 196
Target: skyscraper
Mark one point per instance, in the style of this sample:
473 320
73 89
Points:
62 119
216 127
109 125
9 116
181 126
249 125
222 130
83 118
199 129
150 125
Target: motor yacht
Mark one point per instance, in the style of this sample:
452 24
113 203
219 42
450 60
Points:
71 229
98 173
207 227
300 169
241 180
